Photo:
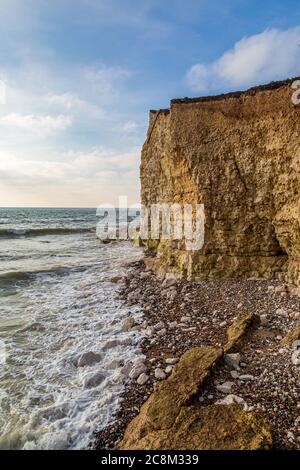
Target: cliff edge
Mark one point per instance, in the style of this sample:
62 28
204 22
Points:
238 154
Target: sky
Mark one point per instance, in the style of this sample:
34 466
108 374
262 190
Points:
78 77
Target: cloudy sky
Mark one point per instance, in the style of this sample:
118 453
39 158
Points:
79 76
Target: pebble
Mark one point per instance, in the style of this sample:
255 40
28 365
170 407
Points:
88 358
158 326
159 374
112 343
234 374
233 360
142 379
296 344
282 311
169 282
225 387
264 319
246 377
162 332
92 380
282 350
296 357
171 360
232 399
168 369
185 319
128 324
137 370
149 331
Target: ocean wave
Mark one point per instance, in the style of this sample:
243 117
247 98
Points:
24 275
38 232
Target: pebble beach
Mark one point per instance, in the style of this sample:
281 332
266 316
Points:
178 315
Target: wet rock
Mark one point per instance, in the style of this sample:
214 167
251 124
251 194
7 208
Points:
149 331
93 380
88 358
112 343
126 341
128 324
137 370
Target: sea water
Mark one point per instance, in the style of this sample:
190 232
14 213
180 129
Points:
57 301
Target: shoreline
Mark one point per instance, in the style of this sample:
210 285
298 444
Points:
180 315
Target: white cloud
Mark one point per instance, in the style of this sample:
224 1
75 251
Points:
106 77
71 102
76 178
67 100
37 125
129 126
270 55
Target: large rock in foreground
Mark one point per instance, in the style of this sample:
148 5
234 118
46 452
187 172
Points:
168 421
214 427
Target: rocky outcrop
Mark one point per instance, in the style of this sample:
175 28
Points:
214 427
170 420
238 154
238 330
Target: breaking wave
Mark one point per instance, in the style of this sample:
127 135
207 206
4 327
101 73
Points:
37 232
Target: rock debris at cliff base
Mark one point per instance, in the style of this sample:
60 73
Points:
180 315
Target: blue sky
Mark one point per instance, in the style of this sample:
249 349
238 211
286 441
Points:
81 75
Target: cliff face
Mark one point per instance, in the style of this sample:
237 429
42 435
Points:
239 155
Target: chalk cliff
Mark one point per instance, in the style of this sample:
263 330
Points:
239 155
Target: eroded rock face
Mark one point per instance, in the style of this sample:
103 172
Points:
237 154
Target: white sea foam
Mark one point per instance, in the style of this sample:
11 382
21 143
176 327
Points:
49 402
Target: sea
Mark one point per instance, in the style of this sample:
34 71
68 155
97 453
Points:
58 300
